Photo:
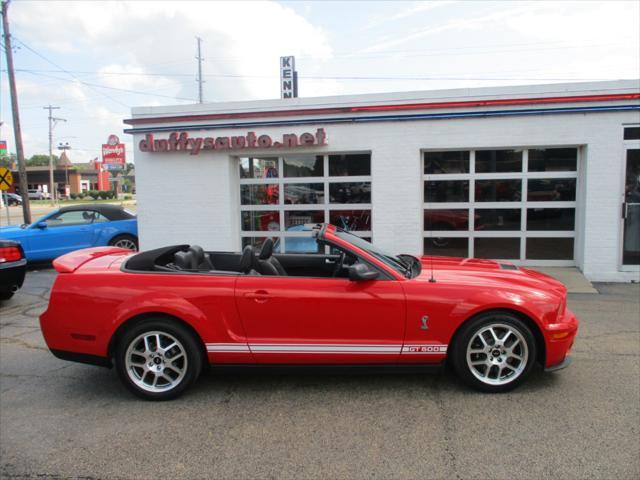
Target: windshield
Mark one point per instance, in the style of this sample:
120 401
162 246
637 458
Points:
392 261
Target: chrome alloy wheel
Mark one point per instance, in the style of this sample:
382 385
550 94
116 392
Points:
497 354
156 361
126 243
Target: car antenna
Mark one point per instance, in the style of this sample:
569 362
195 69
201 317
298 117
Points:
432 278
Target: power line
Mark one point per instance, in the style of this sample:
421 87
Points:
68 72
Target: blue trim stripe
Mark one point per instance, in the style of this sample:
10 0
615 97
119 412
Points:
389 118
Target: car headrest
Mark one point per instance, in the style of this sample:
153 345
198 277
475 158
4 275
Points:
248 259
198 253
267 249
183 260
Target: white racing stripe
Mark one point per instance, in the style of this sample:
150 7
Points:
328 348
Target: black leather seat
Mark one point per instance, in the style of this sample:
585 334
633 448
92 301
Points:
201 260
269 265
183 260
248 261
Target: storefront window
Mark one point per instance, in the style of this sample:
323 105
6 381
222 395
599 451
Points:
475 194
446 162
446 191
305 193
258 168
492 161
349 165
356 192
304 166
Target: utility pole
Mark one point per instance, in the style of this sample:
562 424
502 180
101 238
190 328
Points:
17 131
199 79
52 123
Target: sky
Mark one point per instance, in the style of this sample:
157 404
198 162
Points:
96 60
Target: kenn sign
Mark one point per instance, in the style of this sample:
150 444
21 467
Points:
182 142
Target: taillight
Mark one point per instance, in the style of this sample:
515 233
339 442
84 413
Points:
10 254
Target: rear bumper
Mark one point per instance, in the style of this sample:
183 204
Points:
559 338
82 358
12 275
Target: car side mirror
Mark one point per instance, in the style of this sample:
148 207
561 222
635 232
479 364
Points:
41 225
361 272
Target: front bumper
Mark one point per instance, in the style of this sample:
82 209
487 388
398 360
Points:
559 338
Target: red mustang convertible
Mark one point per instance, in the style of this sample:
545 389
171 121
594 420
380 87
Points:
161 315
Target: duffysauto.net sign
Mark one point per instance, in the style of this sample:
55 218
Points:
182 142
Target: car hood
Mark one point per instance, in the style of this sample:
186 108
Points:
488 273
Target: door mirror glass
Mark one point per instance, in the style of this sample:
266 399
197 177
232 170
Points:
361 272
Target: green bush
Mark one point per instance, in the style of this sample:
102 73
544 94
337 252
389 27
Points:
74 196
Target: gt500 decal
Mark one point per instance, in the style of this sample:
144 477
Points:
424 349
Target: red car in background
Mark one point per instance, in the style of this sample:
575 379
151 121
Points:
160 316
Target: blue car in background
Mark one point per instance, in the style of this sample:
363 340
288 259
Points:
75 227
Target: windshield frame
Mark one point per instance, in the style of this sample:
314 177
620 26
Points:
392 261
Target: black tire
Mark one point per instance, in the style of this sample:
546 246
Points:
500 358
124 239
132 374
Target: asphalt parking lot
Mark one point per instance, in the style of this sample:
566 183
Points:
65 420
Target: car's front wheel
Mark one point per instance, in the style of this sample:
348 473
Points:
158 359
125 241
494 352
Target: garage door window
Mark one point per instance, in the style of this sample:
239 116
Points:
280 196
515 204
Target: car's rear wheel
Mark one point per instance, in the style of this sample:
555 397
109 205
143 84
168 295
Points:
494 352
158 359
6 295
125 241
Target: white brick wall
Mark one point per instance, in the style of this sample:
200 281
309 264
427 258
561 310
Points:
195 199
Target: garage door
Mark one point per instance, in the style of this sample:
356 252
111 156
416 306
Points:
514 204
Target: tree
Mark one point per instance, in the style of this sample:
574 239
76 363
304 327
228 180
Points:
7 160
40 160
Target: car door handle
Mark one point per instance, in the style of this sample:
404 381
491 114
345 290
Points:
259 296
328 261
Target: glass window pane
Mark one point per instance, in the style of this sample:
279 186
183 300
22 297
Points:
295 220
551 218
505 248
497 219
303 166
498 190
550 248
258 168
489 161
446 191
447 246
446 219
257 242
553 160
349 165
446 162
260 221
353 192
551 190
78 217
632 133
632 177
351 219
303 193
259 194
302 245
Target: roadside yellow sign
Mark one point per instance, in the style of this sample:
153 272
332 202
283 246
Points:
6 179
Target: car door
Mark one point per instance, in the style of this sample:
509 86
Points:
321 320
60 233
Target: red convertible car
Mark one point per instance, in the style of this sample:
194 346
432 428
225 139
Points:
161 315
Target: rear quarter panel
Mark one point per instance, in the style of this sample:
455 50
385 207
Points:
105 231
87 307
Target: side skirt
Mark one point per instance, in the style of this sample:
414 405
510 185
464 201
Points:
355 369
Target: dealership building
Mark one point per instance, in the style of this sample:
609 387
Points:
540 175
